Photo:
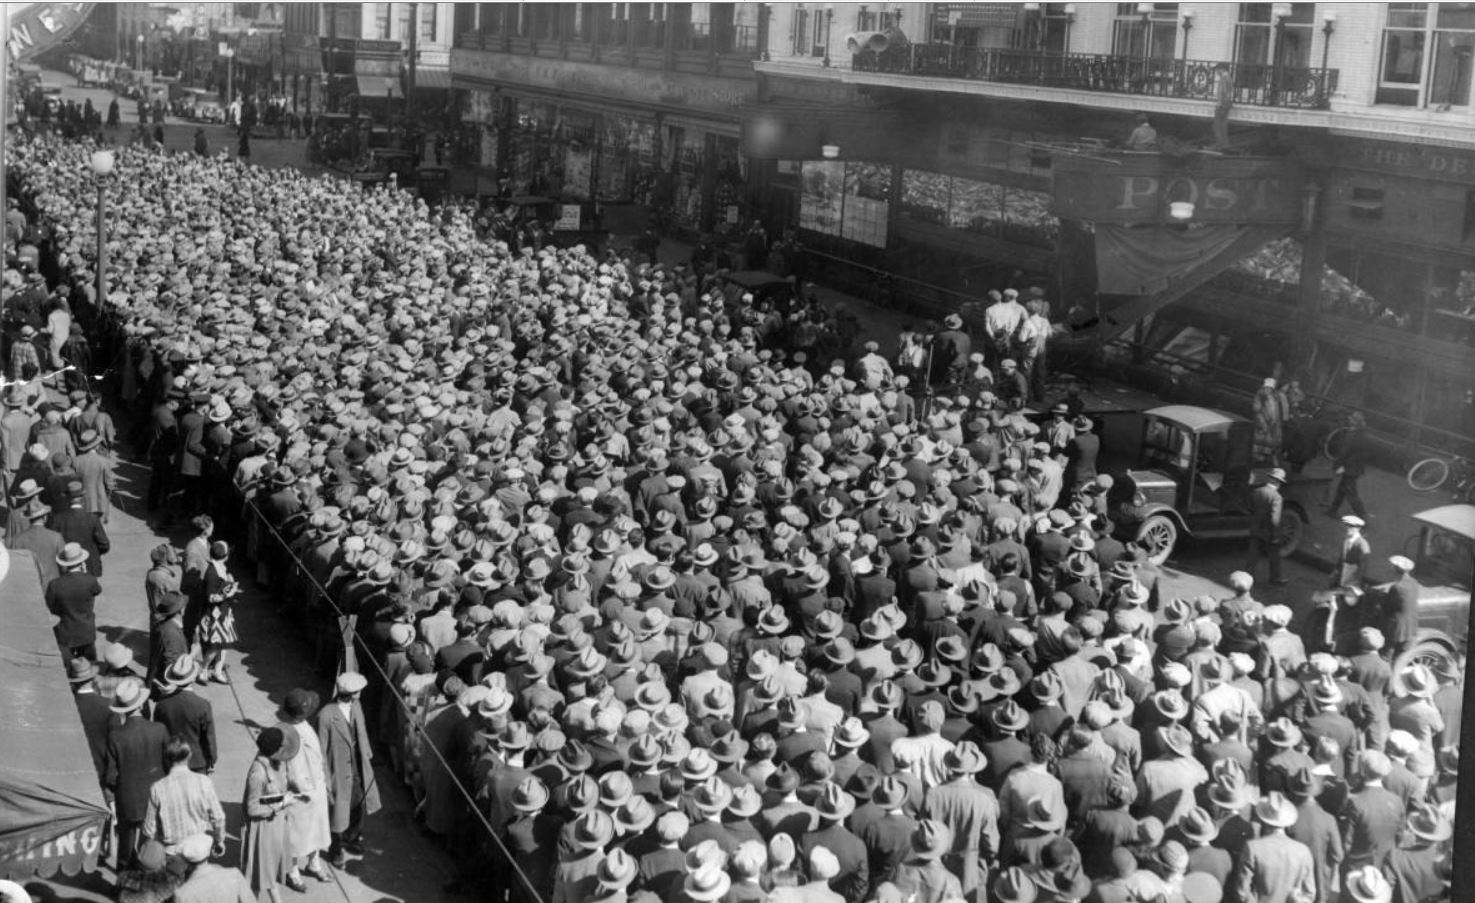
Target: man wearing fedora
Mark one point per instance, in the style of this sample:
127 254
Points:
44 543
72 598
95 468
1273 868
78 525
970 811
187 715
132 762
94 709
922 875
167 642
353 790
1266 510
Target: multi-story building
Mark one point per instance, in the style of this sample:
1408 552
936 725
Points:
625 103
1305 208
370 55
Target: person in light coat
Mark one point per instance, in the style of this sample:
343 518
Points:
307 824
353 792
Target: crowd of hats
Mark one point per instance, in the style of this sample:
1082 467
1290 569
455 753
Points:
659 524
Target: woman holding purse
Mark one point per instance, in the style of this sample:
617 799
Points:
270 794
217 631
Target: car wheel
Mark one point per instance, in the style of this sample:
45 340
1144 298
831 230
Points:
1292 528
1157 536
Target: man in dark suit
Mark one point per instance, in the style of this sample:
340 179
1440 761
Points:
77 525
41 541
167 643
1400 608
187 715
1266 507
93 707
1351 464
133 760
189 458
1080 454
72 597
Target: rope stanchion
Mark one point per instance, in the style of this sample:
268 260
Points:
533 896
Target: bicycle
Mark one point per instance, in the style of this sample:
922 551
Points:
1431 473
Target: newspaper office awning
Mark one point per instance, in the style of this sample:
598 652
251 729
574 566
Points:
52 814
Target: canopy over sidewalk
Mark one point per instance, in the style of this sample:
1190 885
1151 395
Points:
52 814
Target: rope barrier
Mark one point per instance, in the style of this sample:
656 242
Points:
523 879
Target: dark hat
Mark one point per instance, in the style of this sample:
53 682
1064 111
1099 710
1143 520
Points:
279 743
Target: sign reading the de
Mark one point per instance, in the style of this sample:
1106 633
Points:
1139 188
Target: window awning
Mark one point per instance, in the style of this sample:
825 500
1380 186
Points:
54 810
432 78
379 86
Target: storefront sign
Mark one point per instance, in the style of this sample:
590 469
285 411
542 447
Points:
568 218
477 68
1138 189
1407 159
30 30
43 851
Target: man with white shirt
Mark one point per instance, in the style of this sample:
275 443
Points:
1003 321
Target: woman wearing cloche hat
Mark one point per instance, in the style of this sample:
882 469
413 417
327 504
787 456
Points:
270 794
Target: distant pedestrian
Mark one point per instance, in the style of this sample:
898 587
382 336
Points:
132 761
243 149
1266 510
115 116
202 146
1351 463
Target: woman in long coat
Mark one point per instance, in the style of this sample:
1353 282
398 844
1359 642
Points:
307 824
269 796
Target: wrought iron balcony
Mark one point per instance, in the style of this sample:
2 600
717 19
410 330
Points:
1254 85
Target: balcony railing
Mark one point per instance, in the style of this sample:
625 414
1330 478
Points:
1254 85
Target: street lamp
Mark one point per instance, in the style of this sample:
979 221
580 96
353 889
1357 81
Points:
1187 23
138 52
102 167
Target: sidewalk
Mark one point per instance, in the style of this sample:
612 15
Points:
401 863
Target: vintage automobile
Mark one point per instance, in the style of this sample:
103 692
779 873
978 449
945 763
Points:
1192 478
1443 553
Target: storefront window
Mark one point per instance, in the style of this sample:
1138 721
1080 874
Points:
970 205
1451 305
1383 289
1449 406
1272 273
848 200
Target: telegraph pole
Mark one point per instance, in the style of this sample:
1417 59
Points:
414 52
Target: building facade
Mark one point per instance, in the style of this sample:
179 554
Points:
638 106
382 58
1322 156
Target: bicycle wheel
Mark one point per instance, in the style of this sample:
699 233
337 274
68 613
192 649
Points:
1335 442
1428 474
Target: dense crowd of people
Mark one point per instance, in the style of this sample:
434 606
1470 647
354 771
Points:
643 601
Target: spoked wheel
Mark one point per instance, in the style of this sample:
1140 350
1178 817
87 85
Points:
1157 536
1292 528
1428 474
1336 442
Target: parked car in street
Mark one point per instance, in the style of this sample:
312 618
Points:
1192 478
1443 553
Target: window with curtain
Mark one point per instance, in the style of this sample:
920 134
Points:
1055 28
800 31
403 21
428 13
381 21
1427 55
1257 41
1153 35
